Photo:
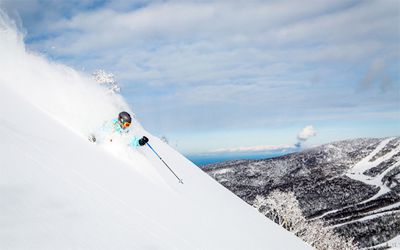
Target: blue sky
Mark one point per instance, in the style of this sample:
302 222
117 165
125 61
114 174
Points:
215 76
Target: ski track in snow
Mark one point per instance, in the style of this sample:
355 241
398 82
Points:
357 172
371 215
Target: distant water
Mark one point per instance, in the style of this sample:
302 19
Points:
201 160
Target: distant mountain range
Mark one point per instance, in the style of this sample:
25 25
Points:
353 185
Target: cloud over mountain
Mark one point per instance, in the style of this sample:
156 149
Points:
306 133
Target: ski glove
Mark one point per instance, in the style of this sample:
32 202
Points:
143 141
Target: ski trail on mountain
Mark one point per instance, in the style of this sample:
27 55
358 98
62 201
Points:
357 172
371 215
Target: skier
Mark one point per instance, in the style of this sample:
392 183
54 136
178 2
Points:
120 126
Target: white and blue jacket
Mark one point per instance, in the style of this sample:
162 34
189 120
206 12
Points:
113 127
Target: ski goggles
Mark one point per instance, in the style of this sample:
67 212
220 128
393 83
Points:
125 124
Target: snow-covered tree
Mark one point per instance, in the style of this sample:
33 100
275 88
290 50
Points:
284 209
260 202
107 80
322 237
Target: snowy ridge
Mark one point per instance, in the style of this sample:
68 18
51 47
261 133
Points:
353 185
58 191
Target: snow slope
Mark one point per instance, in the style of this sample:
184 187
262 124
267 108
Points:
58 191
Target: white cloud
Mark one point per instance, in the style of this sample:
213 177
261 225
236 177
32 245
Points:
259 24
306 133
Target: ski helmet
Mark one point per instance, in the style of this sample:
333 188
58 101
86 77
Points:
124 118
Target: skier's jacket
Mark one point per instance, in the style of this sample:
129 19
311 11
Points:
112 127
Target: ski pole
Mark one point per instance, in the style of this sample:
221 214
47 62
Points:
180 180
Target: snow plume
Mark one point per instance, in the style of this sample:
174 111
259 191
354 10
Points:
68 96
107 80
307 132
